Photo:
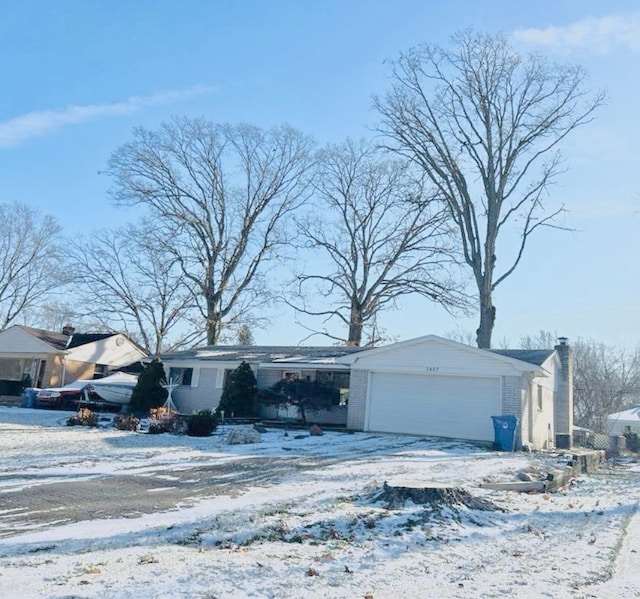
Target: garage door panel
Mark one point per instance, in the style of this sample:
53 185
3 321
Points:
459 407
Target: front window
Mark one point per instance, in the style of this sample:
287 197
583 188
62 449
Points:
100 370
181 376
336 380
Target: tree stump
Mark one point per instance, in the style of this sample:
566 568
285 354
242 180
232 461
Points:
434 495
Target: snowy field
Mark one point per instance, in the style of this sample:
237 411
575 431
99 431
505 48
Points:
310 525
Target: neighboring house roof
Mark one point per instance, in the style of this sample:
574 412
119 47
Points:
78 339
264 354
61 341
533 356
57 340
632 414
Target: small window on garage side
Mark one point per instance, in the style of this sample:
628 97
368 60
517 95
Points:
182 376
539 398
100 371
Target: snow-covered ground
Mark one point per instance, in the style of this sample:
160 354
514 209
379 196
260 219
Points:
316 531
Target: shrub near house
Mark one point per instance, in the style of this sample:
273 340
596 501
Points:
239 396
202 424
149 392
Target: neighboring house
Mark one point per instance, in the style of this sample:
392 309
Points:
49 359
627 421
201 373
426 386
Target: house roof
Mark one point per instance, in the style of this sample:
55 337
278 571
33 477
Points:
633 414
61 341
522 360
264 354
274 355
532 356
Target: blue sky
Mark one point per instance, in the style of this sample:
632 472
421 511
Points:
79 75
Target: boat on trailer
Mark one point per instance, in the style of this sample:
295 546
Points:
116 388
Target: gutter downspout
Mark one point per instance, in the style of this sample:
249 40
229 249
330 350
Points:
64 360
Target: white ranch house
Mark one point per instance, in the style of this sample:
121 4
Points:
428 386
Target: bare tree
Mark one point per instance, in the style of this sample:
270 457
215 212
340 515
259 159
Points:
57 312
30 260
244 335
129 281
461 336
606 380
223 196
543 340
485 124
379 236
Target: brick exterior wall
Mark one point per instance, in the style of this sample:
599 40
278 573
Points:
525 419
512 396
357 399
563 417
512 402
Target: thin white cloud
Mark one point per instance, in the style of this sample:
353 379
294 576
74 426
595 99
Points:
603 34
39 123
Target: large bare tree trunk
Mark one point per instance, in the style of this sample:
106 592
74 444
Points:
487 322
223 197
213 323
484 123
382 235
355 327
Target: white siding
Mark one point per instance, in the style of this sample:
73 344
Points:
620 426
541 414
430 356
114 351
206 396
433 405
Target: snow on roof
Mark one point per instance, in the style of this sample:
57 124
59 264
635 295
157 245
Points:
265 354
631 414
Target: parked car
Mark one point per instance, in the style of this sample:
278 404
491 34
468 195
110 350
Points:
66 397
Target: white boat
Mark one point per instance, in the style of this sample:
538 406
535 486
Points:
115 388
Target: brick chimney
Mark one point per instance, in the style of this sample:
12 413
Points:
68 329
563 405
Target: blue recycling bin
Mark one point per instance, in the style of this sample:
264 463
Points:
29 397
504 428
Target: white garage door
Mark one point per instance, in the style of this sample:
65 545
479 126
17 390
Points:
443 406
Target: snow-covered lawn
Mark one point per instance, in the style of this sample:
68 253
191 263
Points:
316 530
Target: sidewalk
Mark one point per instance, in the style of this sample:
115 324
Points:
626 577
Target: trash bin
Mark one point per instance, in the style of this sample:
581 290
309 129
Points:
504 428
29 397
